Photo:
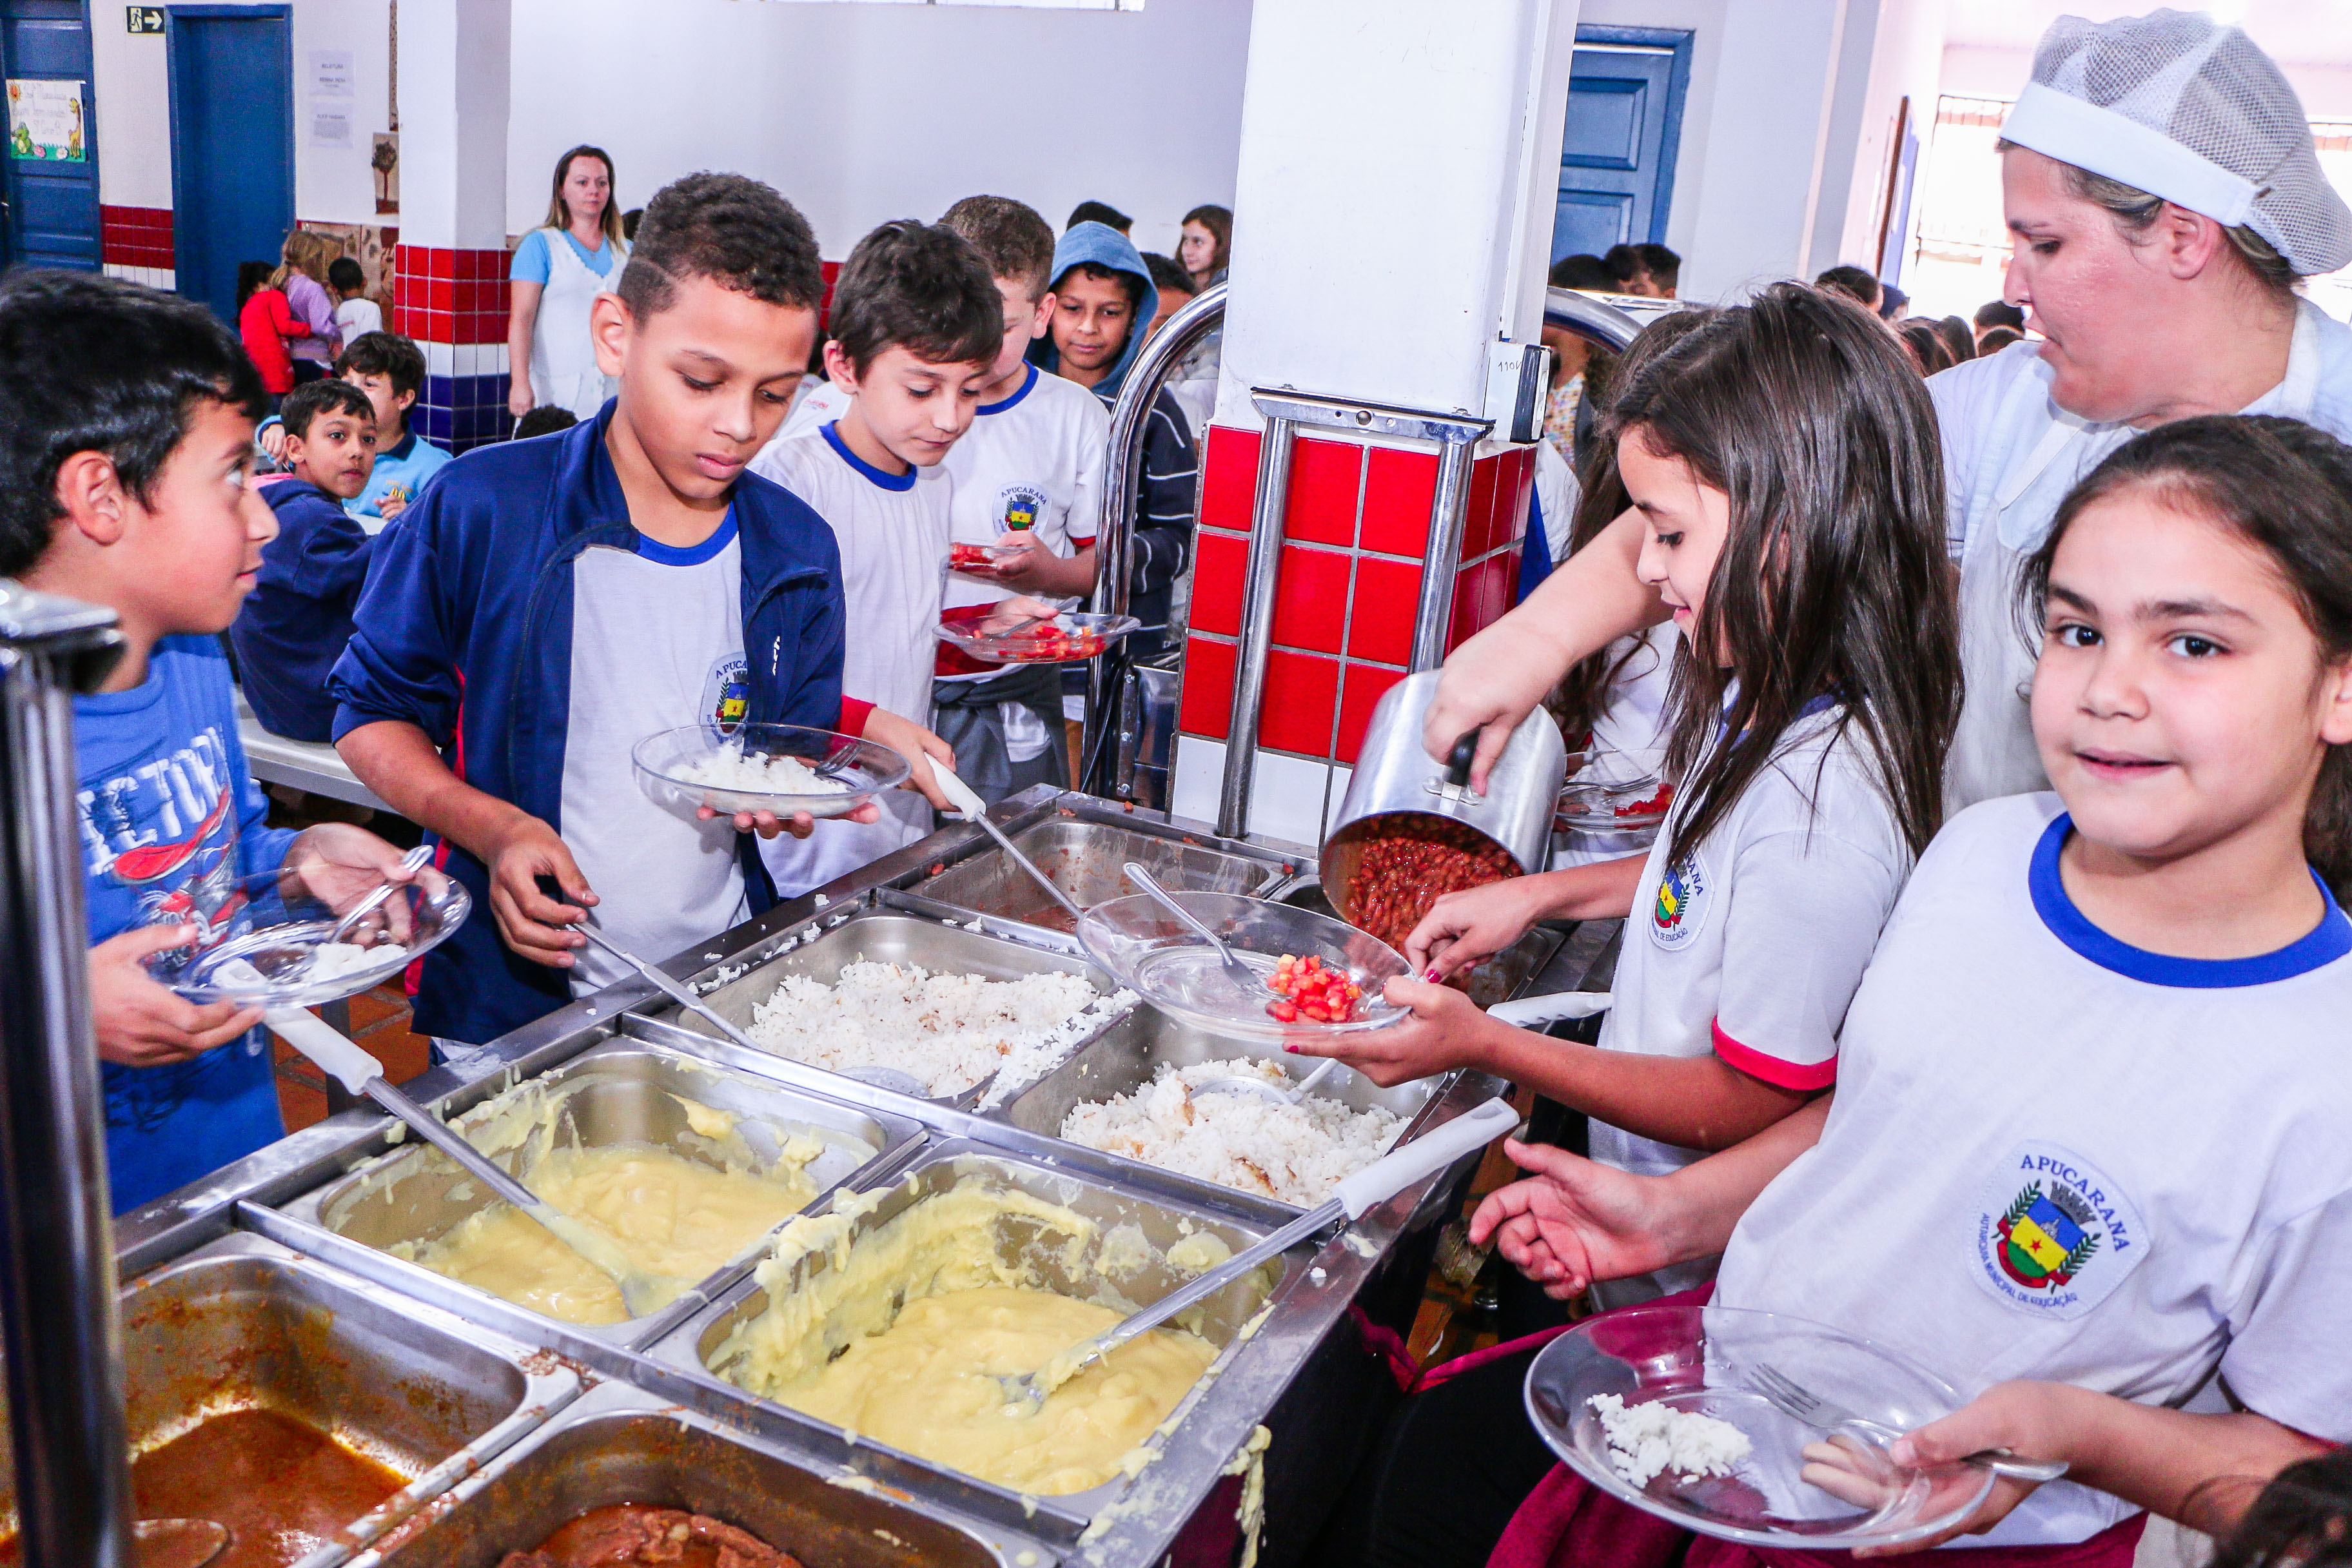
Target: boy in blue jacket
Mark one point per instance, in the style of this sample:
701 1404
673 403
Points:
126 440
294 625
546 604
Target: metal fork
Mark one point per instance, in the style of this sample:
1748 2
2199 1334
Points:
1792 1399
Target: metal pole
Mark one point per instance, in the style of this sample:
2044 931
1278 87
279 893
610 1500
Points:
1266 510
1114 535
1441 558
57 1320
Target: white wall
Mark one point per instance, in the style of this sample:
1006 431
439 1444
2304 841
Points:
1970 71
1902 56
135 127
865 112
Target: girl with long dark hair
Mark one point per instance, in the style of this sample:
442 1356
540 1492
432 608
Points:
1783 457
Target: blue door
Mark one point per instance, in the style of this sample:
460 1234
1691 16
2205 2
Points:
1625 121
232 142
51 186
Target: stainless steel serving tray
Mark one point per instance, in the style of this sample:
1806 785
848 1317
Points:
619 1092
698 1351
1083 854
883 935
243 1324
618 1445
1130 1053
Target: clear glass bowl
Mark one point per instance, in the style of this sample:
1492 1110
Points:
260 948
1148 951
667 765
1072 634
1606 798
1718 1362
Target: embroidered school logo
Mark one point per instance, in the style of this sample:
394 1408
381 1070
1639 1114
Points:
1020 506
2054 1236
726 695
1680 911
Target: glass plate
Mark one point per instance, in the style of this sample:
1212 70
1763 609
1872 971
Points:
1148 951
1069 636
1590 804
261 943
1707 1360
666 764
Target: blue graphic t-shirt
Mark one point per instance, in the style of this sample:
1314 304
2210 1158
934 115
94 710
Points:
169 821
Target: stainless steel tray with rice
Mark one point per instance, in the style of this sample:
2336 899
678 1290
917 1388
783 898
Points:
688 1165
289 1402
1132 1094
1083 855
622 1454
869 1337
985 1016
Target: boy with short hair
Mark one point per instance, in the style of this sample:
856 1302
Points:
544 605
390 369
917 324
126 435
1030 470
355 314
294 625
1103 305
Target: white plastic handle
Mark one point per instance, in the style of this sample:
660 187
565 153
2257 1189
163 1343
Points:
1389 1174
1528 1012
966 800
314 1037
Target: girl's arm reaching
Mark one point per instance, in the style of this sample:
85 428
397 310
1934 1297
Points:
2201 1470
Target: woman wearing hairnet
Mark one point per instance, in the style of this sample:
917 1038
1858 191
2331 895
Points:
2163 196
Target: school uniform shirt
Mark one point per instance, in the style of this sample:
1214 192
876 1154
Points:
169 821
816 403
893 531
1750 943
292 627
658 634
357 317
2010 454
400 470
2053 1155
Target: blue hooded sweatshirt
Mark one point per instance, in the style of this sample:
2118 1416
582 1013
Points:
1169 493
465 631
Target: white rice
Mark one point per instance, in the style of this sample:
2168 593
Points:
949 1030
1647 1440
729 767
1293 1153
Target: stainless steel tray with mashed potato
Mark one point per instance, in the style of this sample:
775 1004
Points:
1116 1097
886 1316
878 988
687 1166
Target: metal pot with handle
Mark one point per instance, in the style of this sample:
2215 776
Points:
1396 782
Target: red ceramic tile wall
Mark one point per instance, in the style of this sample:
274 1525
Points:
1219 564
1365 684
1229 480
1325 484
1387 594
1399 487
448 296
1310 608
1208 702
135 236
1302 692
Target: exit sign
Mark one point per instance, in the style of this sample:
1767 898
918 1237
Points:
142 19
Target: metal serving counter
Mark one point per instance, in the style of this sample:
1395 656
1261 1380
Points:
660 1420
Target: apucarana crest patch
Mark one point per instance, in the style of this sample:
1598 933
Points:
1679 911
2054 1236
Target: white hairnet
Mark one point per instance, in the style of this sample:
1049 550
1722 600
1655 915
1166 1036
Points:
2181 107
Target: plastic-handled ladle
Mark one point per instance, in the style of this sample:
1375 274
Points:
1533 1011
891 1078
362 1074
974 809
1374 1185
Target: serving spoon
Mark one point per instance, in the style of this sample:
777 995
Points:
1376 1183
974 809
362 1074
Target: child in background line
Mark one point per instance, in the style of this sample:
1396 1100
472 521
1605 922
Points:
546 604
390 369
1101 212
266 324
1204 247
1783 455
126 434
1170 282
2164 1218
301 272
1104 303
355 314
917 324
544 420
294 625
1028 472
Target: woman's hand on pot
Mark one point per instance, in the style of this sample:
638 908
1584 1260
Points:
1463 928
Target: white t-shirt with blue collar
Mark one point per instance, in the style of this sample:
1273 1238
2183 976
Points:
2057 1156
